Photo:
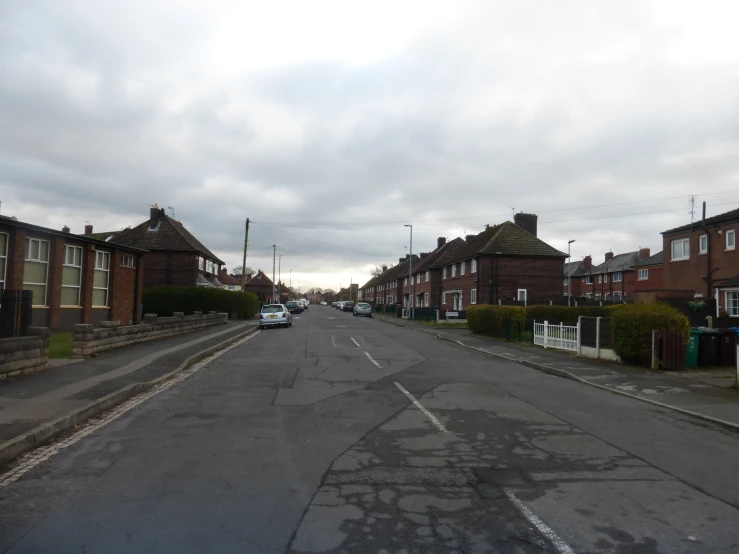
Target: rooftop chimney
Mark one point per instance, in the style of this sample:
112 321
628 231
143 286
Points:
441 241
468 237
65 229
155 214
527 222
609 256
644 253
88 229
588 261
384 268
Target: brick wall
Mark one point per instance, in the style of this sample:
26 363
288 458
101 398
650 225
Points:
24 354
541 277
170 269
653 282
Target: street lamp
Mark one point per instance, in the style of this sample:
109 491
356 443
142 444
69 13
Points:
410 272
569 272
291 279
279 278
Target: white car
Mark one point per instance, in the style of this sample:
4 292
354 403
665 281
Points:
275 315
324 303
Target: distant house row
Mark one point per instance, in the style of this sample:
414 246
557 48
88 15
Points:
505 262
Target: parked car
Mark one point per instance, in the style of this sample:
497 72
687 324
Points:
347 306
275 315
339 304
362 308
305 303
294 307
324 303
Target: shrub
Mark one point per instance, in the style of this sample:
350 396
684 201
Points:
487 319
164 301
565 314
632 327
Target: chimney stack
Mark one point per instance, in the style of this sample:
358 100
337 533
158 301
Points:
588 261
609 256
441 241
644 253
527 222
88 229
155 214
65 229
384 268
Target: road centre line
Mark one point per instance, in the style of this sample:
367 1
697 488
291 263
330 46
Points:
431 416
354 341
560 545
372 360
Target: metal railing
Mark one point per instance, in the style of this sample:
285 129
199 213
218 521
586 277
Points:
15 313
559 336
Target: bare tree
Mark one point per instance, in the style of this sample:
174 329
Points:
249 271
376 271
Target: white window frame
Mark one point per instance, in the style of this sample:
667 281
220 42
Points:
29 249
474 266
126 257
727 306
425 299
473 296
600 279
605 278
462 267
525 295
443 298
4 256
617 293
685 246
703 244
643 275
454 270
617 277
731 233
78 286
102 254
589 280
443 276
427 275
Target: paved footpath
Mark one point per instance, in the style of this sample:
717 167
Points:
690 392
29 401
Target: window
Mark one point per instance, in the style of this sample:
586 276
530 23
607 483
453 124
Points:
730 240
444 273
71 276
617 294
201 263
35 269
454 270
732 303
680 249
617 277
126 260
418 279
600 278
405 282
703 244
427 276
565 281
605 278
589 279
473 296
474 265
426 300
443 298
462 268
643 274
522 295
100 279
3 258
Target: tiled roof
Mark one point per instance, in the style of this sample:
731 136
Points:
103 236
657 259
226 279
429 260
727 217
170 236
451 252
575 269
619 262
260 279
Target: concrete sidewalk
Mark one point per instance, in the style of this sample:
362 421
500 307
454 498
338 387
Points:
69 392
701 394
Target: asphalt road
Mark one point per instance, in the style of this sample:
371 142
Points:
343 434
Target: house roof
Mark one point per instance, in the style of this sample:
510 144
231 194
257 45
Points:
726 217
400 270
259 280
575 269
451 252
657 259
226 279
170 236
107 236
619 262
430 259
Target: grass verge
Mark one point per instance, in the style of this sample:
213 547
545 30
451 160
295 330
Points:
60 345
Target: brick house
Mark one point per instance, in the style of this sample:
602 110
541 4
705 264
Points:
506 262
573 275
701 259
649 285
425 284
262 286
229 282
614 279
175 257
74 279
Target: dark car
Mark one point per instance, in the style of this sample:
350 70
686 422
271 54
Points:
347 306
294 307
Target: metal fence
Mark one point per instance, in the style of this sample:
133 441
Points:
15 313
559 336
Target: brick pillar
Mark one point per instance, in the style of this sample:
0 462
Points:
88 271
16 259
115 302
54 281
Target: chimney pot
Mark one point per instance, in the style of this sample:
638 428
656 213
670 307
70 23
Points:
609 256
441 241
155 214
65 229
644 253
88 229
527 222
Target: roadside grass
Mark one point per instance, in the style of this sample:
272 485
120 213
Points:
60 345
444 325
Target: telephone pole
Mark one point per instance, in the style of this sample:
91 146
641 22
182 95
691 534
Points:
274 256
243 263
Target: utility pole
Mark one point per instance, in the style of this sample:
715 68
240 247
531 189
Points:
274 260
411 288
243 263
569 272
279 279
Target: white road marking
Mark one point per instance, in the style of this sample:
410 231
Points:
330 318
372 360
354 341
420 406
561 546
33 458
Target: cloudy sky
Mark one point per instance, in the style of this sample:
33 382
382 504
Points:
331 124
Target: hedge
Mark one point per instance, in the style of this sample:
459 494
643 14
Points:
565 314
164 301
632 327
487 319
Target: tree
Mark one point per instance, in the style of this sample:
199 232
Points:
376 271
315 290
249 271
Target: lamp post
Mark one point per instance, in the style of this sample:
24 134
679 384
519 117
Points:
291 279
279 278
410 272
569 272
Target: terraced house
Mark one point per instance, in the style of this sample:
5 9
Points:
616 278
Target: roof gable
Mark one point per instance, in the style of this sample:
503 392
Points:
727 217
259 280
657 259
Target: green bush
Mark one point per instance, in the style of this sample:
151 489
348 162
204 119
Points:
164 301
487 319
632 327
565 314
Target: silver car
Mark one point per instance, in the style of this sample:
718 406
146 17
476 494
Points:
275 315
362 308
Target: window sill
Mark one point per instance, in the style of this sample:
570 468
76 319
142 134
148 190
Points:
680 260
730 250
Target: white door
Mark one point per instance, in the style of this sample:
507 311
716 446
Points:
522 295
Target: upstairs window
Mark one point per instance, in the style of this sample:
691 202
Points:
444 273
643 274
617 277
462 268
681 249
730 240
3 258
703 244
126 260
589 279
427 276
474 265
454 270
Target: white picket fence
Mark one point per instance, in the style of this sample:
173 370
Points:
559 336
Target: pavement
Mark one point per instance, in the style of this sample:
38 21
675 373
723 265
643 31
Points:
29 402
343 434
708 394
